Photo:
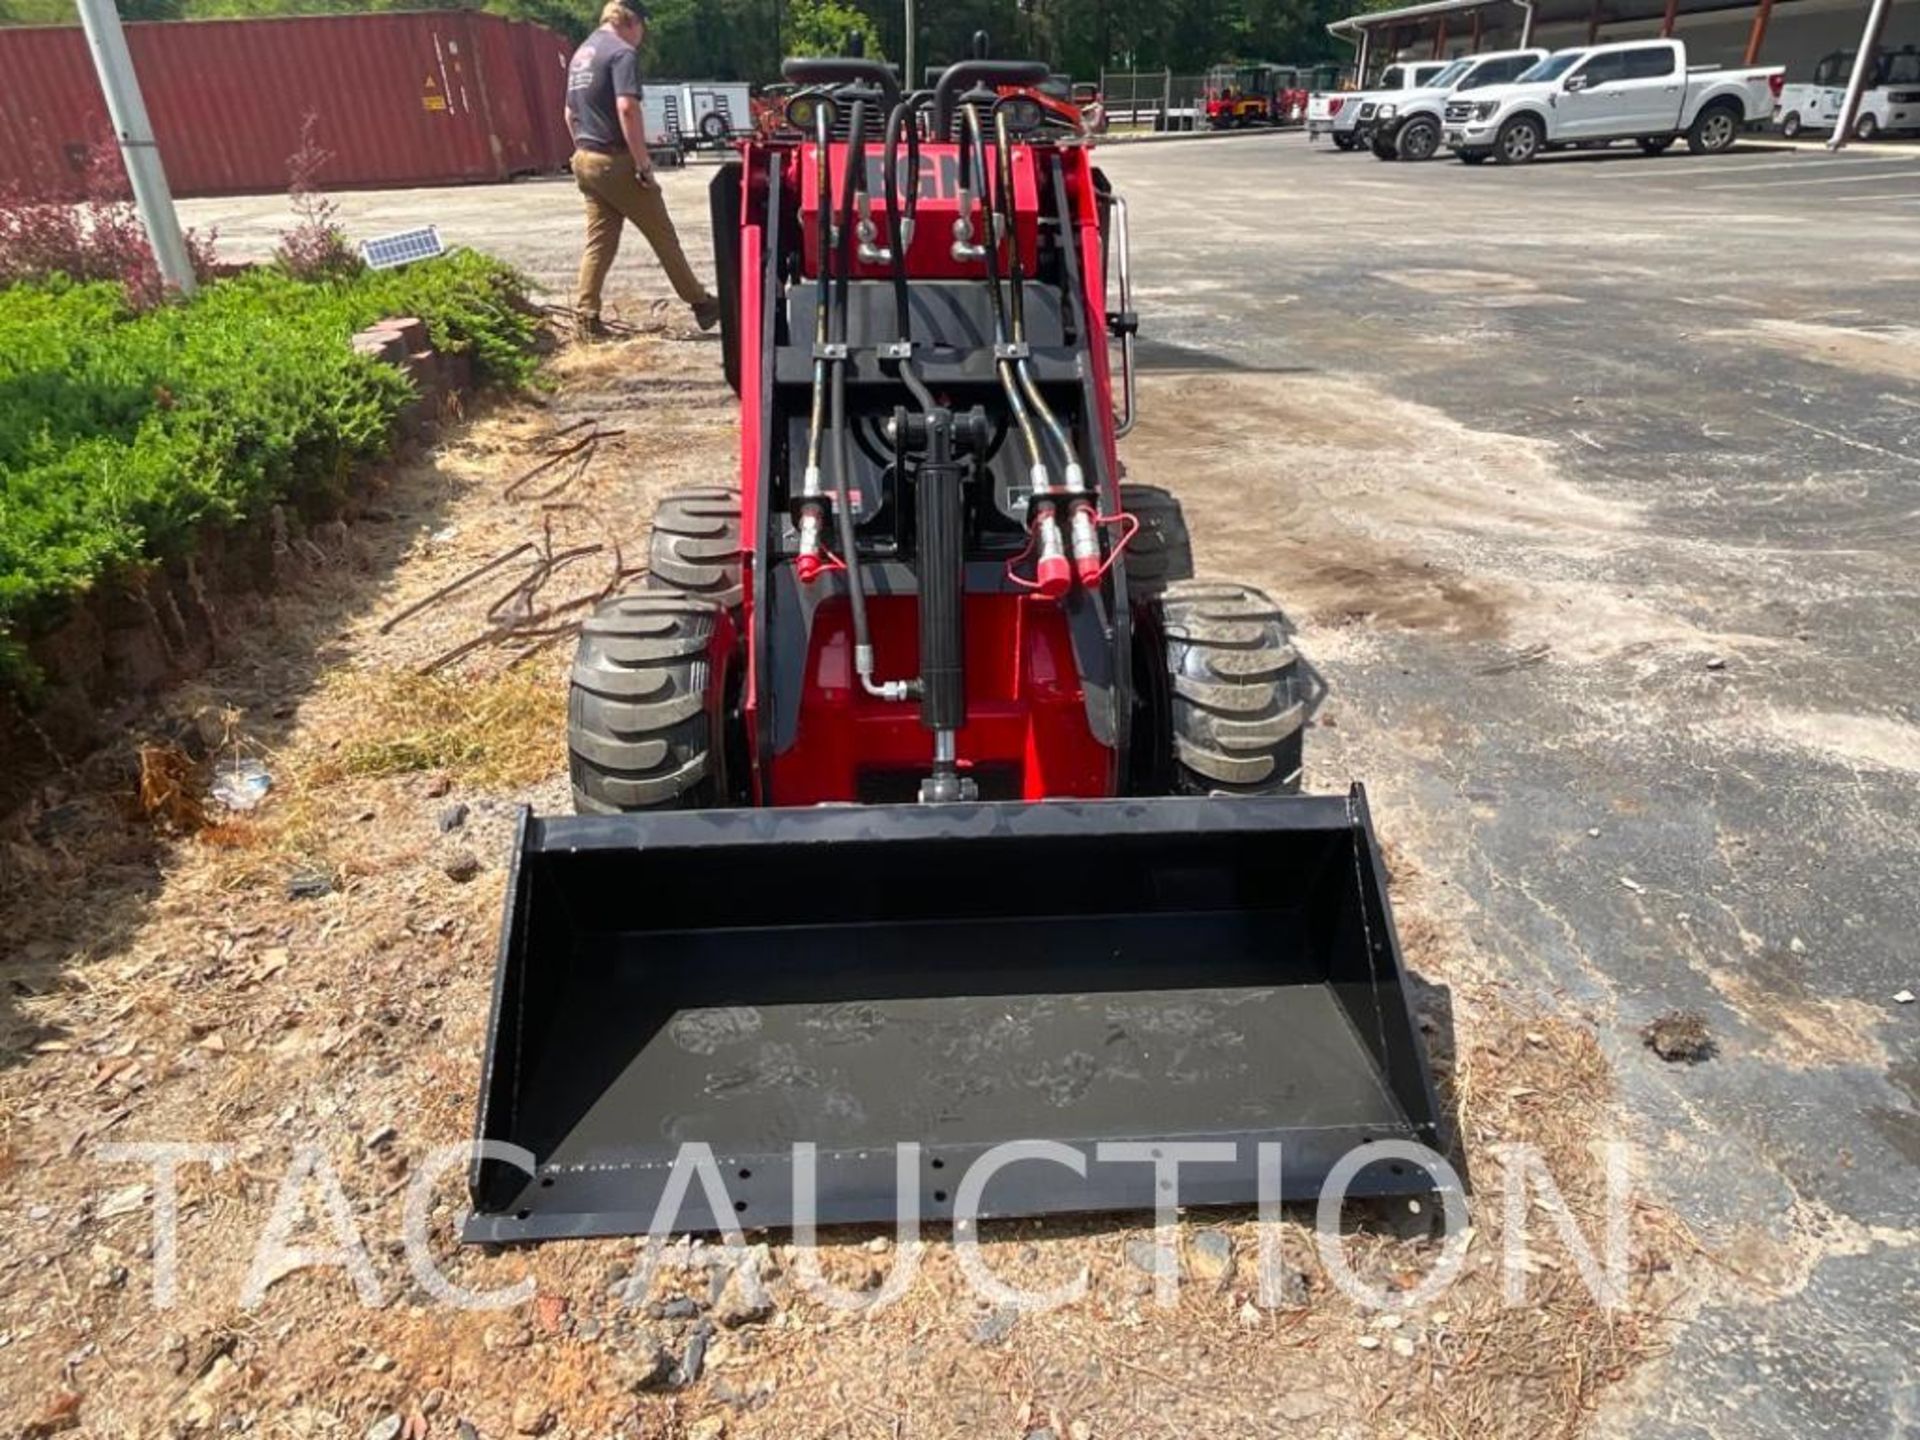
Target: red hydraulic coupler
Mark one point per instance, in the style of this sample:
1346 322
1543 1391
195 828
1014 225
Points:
1053 575
810 566
1085 534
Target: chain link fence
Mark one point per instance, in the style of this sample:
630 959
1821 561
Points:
1153 99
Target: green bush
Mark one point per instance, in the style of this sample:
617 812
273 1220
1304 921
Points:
121 433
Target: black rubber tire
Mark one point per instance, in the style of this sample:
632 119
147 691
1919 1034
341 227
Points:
1707 135
646 705
1508 151
1419 139
695 545
714 127
1656 144
1342 142
1791 125
1866 128
1161 552
1237 708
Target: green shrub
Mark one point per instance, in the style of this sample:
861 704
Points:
121 433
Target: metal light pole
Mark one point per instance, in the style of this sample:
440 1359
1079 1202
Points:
1863 62
910 77
151 197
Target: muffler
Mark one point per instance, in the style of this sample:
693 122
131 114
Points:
946 977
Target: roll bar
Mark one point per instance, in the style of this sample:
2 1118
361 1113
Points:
843 70
964 74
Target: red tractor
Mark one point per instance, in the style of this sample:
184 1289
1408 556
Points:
925 801
1243 95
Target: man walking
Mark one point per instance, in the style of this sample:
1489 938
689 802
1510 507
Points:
612 167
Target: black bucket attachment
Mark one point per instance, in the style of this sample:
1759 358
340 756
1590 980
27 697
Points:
952 977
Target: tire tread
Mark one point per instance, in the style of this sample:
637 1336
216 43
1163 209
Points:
643 703
695 545
1238 710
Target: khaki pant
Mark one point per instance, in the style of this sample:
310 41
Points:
615 195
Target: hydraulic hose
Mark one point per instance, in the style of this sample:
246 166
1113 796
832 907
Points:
842 444
1016 288
1083 527
900 232
1036 457
851 178
809 564
1052 576
849 547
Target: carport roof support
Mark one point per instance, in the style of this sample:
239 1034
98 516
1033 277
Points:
1360 28
1375 18
1553 12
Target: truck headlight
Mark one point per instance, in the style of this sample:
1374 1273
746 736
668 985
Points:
1387 112
1484 110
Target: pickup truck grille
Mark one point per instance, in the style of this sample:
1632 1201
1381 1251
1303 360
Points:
1459 111
1367 107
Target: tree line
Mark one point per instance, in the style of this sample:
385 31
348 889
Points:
745 39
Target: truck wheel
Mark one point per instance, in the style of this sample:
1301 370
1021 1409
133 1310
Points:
1519 140
1713 130
1865 128
713 127
1419 138
1342 142
1161 552
1790 125
648 703
1656 144
1237 712
695 545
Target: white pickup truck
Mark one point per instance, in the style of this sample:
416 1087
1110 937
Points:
1636 90
1891 104
1407 126
1336 114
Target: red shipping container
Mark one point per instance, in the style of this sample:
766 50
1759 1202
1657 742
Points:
543 61
412 98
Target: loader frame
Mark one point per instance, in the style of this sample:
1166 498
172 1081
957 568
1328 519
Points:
940 859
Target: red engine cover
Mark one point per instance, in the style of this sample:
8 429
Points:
930 257
1026 733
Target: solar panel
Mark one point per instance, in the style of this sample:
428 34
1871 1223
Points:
388 252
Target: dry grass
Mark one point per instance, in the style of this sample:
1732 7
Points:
495 730
170 788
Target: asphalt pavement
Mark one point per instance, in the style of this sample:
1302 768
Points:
1693 785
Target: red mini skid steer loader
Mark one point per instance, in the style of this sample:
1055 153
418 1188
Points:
926 802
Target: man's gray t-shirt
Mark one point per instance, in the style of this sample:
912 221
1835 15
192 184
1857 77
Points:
602 69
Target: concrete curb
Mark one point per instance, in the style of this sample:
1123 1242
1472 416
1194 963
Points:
1152 137
1899 149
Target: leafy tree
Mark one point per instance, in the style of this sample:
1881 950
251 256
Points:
821 27
745 39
